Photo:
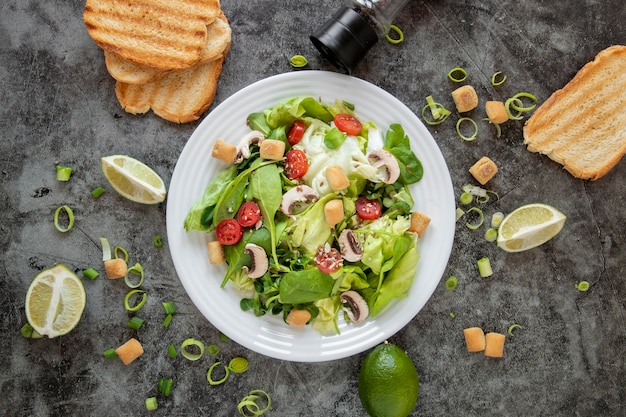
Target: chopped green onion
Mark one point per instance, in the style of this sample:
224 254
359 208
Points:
106 249
459 213
466 198
512 327
249 407
474 190
63 173
466 138
498 78
398 31
90 273
481 218
452 315
167 321
438 112
508 104
152 404
169 308
191 342
122 251
157 242
298 61
213 350
484 267
451 283
165 386
171 351
209 374
238 365
70 219
223 337
521 108
491 235
457 75
97 192
135 323
136 269
110 353
130 294
29 333
496 219
582 286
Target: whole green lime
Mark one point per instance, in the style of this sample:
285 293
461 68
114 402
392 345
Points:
388 382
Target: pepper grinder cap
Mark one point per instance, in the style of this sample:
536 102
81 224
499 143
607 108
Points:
345 38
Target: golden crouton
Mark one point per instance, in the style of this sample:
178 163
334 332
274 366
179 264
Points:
333 212
419 222
224 151
115 268
483 170
337 178
474 339
216 253
496 112
465 98
272 149
494 345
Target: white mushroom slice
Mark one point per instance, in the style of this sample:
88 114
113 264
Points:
386 164
298 195
260 262
243 147
350 246
355 306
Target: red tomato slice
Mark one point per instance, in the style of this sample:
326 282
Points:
296 131
327 259
249 214
348 124
228 232
296 164
368 209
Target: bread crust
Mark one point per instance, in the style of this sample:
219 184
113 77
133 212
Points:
580 125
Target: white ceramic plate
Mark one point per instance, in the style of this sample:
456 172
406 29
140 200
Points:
268 335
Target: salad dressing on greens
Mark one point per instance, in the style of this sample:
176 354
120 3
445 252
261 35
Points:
292 260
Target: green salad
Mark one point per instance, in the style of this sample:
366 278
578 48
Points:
321 229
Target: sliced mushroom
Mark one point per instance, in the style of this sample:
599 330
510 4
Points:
355 306
243 147
298 195
259 261
384 161
350 245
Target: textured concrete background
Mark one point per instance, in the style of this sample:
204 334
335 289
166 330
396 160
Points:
59 106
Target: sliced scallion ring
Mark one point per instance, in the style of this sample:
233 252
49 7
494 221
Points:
491 234
136 269
157 242
106 249
457 75
498 78
582 286
393 40
466 198
190 355
70 219
518 99
63 173
238 365
461 135
513 327
298 61
508 106
481 218
122 251
130 295
496 219
213 350
484 267
438 112
249 406
209 374
451 283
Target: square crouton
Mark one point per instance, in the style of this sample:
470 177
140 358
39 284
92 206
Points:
419 222
474 339
496 112
494 345
483 170
465 98
224 151
272 149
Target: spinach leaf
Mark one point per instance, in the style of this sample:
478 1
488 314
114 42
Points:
396 142
257 121
301 287
266 188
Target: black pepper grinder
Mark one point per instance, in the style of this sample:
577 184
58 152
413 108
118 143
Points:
352 31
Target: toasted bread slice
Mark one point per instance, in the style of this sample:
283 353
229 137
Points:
180 96
581 126
161 34
218 41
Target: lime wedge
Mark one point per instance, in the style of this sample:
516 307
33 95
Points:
133 179
529 226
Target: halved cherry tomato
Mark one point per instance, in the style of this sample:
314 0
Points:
296 131
348 124
228 232
249 214
296 164
327 259
368 209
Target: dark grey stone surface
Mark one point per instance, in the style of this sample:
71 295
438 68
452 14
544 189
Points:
59 106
